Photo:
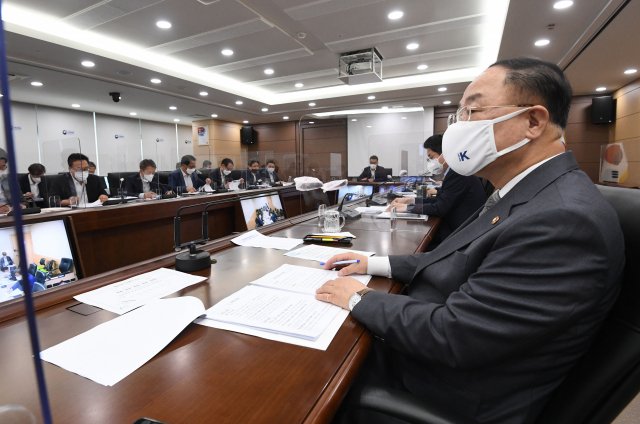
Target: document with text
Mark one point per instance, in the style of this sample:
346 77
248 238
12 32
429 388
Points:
127 295
322 253
255 239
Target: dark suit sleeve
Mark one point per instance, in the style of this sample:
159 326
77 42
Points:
56 188
130 187
174 180
23 182
214 176
381 175
544 273
447 200
196 181
365 174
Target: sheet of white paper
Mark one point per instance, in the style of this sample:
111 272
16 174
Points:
301 279
322 343
134 292
347 234
95 204
278 311
207 188
286 184
233 185
372 209
111 351
403 215
256 239
320 253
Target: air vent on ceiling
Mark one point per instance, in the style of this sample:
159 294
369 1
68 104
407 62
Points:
208 2
18 77
196 116
125 73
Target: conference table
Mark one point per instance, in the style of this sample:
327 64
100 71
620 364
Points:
206 374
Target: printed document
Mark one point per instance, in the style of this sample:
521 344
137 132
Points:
127 295
403 215
372 209
322 253
255 239
111 351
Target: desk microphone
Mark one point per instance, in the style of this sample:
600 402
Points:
165 195
348 213
371 202
121 192
28 210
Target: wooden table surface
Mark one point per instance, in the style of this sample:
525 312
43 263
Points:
206 374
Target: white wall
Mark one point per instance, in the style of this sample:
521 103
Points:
118 144
25 134
386 138
50 239
159 144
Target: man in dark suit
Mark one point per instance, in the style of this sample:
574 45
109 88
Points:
456 200
498 314
270 176
185 177
145 183
77 186
222 176
5 262
33 184
252 175
373 172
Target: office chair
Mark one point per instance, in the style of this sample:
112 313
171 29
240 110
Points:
599 387
41 277
65 266
37 287
32 269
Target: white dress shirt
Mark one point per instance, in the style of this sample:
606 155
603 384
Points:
34 187
187 179
379 265
81 192
146 187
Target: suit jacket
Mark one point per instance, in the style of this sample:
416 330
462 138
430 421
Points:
380 174
134 187
217 177
25 187
251 179
458 198
266 179
499 313
63 187
6 261
176 180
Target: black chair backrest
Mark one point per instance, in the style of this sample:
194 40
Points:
608 377
388 171
204 174
65 265
38 287
32 269
236 174
164 177
41 277
114 180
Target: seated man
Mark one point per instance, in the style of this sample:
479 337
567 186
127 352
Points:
5 262
77 186
252 175
185 177
221 176
92 168
373 172
5 189
456 200
33 186
145 183
270 175
498 314
206 164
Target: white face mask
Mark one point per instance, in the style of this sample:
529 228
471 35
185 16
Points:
148 178
36 180
434 166
271 170
191 170
81 176
373 166
471 145
226 172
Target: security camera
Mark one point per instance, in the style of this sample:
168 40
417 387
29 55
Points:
115 97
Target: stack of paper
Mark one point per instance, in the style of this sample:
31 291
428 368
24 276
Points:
403 215
255 239
127 295
322 253
372 209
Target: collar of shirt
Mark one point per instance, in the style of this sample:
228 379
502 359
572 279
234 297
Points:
185 175
511 184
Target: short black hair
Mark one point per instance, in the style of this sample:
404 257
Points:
36 169
539 81
373 157
206 163
4 159
74 157
226 161
434 143
271 161
252 161
145 163
187 159
92 165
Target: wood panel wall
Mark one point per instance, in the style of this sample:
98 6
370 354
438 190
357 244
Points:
626 129
440 116
277 141
317 142
224 142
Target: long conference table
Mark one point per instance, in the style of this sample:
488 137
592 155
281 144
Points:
205 374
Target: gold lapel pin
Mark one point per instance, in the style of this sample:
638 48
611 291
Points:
495 220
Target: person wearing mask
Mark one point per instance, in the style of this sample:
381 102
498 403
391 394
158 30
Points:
206 164
270 175
5 262
252 175
185 177
5 188
145 183
222 176
92 168
77 186
493 319
33 185
373 172
454 202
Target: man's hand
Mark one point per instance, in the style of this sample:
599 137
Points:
103 198
169 192
400 207
191 189
149 195
339 291
33 196
208 180
432 191
403 200
358 268
69 201
5 209
227 185
370 180
241 180
278 183
22 206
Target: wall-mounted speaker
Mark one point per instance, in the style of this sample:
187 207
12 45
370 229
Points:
248 135
603 110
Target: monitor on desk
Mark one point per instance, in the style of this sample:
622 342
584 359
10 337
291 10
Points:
357 191
262 211
51 259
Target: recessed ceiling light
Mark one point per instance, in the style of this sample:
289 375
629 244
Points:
163 24
88 64
442 89
227 52
245 122
447 102
264 109
176 120
173 107
421 67
371 97
132 113
299 84
285 117
155 80
563 4
75 105
204 93
354 120
413 46
311 122
396 14
542 42
36 84
238 102
385 107
368 126
630 71
601 88
268 71
312 104
214 116
404 117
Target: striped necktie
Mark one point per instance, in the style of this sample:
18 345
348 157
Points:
492 200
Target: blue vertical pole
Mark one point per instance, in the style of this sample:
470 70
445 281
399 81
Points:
16 196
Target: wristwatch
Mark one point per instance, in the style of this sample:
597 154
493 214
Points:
357 297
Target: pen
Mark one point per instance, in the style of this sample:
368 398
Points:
357 261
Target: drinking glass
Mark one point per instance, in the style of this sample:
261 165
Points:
393 219
322 209
332 222
74 202
290 179
54 201
179 191
158 193
214 185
